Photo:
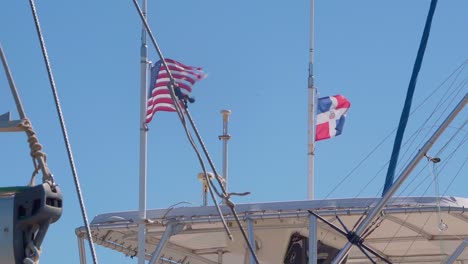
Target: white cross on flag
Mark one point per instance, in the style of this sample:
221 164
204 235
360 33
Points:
331 114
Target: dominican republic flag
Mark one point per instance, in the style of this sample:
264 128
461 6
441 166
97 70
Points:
331 113
159 98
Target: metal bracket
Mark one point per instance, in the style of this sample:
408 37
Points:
352 238
173 228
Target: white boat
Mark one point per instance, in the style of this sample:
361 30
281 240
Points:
401 230
407 233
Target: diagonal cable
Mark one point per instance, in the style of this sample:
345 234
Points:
351 236
455 73
182 114
64 129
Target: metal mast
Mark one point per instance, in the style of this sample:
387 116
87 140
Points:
399 181
311 142
225 137
143 140
311 110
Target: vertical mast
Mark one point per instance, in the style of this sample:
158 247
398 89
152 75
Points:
311 111
311 143
225 138
143 139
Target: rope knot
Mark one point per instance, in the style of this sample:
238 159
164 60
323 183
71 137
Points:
35 148
34 145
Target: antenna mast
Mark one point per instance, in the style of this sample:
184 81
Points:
225 137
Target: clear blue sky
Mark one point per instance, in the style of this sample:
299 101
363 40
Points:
256 57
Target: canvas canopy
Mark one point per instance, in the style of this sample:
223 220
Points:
407 231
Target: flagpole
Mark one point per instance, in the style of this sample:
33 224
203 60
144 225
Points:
143 142
311 110
311 142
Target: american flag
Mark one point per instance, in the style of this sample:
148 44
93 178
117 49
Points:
331 115
159 98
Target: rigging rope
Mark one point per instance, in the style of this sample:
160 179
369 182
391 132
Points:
438 154
373 226
395 233
171 86
441 225
454 93
181 113
359 164
409 98
178 109
455 74
456 175
34 145
64 129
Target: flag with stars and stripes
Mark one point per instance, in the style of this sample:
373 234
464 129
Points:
159 98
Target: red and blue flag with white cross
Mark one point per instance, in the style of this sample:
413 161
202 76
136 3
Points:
331 115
